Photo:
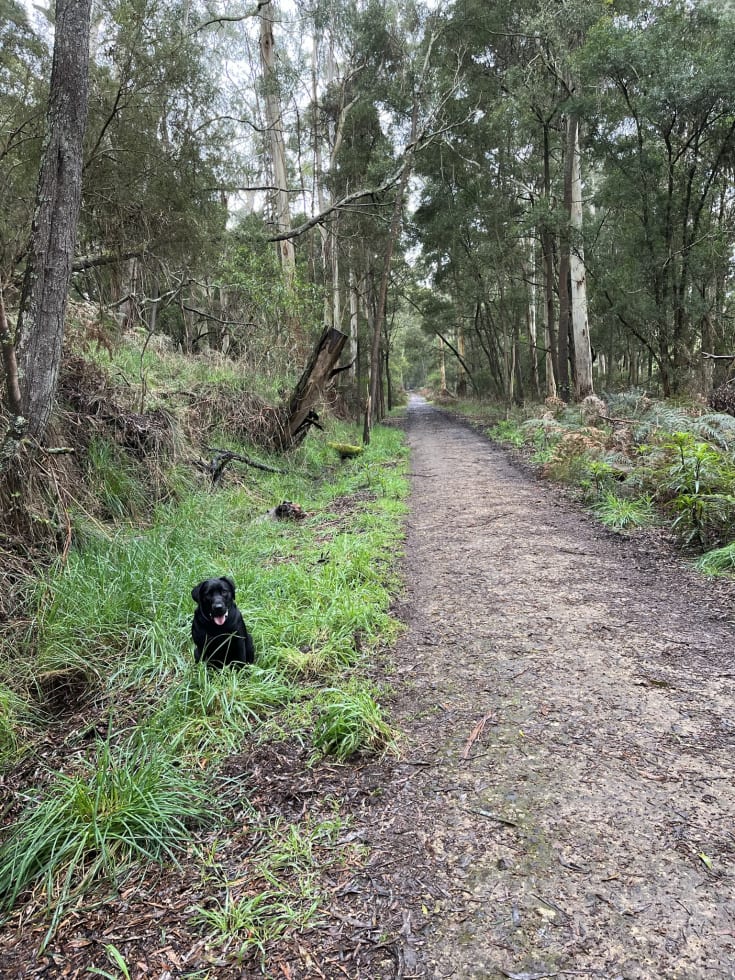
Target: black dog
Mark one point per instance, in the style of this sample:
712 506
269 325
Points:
218 630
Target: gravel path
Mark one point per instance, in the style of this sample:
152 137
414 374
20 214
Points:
565 803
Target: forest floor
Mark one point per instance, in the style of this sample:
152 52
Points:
563 804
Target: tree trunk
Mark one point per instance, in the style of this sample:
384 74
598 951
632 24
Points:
395 227
461 370
547 248
13 398
40 329
531 321
565 308
354 321
580 324
274 121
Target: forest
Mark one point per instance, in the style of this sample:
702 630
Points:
234 237
533 198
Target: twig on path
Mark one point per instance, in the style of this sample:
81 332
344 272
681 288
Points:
474 735
527 976
559 973
551 905
491 816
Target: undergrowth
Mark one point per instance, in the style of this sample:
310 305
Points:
123 807
636 462
107 638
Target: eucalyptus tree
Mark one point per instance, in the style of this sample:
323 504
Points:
154 207
24 66
23 59
276 137
40 327
660 85
482 198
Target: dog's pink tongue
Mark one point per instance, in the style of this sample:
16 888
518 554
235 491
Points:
220 620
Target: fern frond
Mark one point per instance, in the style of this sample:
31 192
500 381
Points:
715 427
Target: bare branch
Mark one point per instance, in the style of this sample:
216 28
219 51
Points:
234 19
106 258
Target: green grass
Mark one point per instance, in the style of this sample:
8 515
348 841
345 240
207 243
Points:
281 893
211 713
115 481
509 432
116 616
623 513
720 561
255 919
16 718
126 806
348 720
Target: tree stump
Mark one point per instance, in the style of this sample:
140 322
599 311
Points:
299 414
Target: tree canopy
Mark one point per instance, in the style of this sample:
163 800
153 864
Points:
423 175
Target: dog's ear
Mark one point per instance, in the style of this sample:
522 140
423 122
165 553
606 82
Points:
195 592
226 578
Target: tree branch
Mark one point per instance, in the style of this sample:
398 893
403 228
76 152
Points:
106 258
222 19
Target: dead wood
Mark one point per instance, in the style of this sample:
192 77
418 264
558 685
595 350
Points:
222 457
321 368
474 735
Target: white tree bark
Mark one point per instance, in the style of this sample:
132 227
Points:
274 121
580 323
354 321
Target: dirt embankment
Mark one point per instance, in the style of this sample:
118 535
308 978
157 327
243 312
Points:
566 798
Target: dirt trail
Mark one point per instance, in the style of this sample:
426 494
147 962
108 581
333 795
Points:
589 681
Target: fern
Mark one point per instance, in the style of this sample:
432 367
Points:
716 427
632 404
661 418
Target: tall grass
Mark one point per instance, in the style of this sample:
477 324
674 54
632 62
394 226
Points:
316 596
16 718
122 605
211 713
125 806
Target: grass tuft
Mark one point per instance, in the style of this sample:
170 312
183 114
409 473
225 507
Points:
349 719
622 513
212 712
720 561
131 806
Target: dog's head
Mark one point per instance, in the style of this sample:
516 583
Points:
215 597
